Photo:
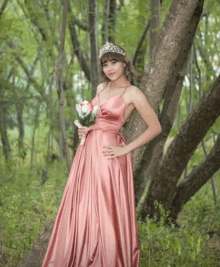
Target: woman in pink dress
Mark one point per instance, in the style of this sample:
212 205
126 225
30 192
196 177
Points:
96 223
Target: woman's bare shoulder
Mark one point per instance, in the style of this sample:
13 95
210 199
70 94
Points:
132 91
134 94
100 87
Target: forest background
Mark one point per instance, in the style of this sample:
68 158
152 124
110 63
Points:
174 47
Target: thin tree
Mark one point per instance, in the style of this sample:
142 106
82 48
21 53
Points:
59 80
155 20
3 7
94 66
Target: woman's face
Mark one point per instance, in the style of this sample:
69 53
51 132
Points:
113 69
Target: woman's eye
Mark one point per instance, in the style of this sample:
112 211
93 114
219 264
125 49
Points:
113 62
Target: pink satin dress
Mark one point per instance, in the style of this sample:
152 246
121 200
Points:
96 223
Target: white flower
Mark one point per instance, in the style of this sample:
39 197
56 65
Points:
95 109
85 109
85 102
78 108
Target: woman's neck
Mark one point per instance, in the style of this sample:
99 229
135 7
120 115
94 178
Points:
119 83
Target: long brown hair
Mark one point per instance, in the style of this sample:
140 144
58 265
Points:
129 69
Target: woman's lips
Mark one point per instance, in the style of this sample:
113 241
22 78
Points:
110 74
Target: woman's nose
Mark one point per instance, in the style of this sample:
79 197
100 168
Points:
109 68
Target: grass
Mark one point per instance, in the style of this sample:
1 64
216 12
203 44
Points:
25 206
189 245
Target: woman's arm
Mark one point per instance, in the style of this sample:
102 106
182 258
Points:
98 88
150 118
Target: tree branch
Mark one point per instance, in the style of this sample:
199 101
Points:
59 80
76 44
143 36
36 20
80 24
197 178
181 149
3 7
205 56
164 74
158 72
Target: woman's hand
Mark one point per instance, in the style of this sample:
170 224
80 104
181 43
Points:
114 151
82 131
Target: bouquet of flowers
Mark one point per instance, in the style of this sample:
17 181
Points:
86 114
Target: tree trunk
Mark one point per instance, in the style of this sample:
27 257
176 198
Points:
140 43
36 118
4 129
94 64
21 149
163 187
154 153
59 80
155 21
105 27
112 20
139 56
159 74
76 45
198 177
3 7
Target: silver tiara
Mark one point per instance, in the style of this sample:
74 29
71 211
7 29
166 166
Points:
110 47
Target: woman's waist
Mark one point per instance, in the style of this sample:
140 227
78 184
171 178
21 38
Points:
111 134
107 126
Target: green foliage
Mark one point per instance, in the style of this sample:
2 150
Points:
25 207
187 245
34 30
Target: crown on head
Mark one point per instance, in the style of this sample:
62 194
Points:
110 47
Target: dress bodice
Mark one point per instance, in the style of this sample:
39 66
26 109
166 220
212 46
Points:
111 113
110 116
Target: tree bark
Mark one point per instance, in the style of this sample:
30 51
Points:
143 36
163 186
59 80
3 7
197 178
155 21
105 27
139 56
19 107
112 20
173 34
153 154
4 129
94 64
76 45
36 118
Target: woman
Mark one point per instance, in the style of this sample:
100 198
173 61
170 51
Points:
96 223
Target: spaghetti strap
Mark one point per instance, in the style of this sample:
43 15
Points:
125 89
102 89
